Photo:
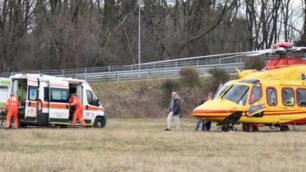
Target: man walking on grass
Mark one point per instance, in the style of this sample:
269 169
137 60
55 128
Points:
174 109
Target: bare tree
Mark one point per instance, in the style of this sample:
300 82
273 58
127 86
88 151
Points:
50 34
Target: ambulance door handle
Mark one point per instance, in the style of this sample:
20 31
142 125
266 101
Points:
86 107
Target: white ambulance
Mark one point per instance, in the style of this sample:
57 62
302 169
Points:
44 100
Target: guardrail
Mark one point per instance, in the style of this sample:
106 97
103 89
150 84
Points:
152 70
151 73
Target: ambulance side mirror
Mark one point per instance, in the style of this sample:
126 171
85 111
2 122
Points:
97 102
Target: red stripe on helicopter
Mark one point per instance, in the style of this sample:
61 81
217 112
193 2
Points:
297 121
214 111
284 113
209 113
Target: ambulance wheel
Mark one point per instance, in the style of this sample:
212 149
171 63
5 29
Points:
100 122
62 126
22 125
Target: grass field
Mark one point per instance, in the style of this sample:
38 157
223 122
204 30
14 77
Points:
142 145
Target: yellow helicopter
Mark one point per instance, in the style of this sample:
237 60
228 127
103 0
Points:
274 96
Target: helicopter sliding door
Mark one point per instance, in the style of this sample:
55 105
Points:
256 107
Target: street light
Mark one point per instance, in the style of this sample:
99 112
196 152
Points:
139 31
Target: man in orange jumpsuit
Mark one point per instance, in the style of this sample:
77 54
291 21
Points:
74 101
11 106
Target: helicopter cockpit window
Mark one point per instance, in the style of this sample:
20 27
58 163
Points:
271 97
220 90
255 94
288 97
301 97
237 94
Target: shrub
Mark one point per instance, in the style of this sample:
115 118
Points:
218 76
257 63
189 76
143 87
168 86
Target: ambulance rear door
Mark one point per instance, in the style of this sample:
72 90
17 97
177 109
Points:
58 101
31 100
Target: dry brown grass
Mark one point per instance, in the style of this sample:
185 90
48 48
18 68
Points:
142 145
143 99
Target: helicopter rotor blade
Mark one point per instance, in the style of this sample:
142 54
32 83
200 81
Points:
299 49
279 50
260 52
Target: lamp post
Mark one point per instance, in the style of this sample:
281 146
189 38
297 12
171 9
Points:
139 36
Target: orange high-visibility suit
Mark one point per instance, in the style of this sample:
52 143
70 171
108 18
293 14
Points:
74 101
11 106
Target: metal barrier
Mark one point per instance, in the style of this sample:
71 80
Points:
150 73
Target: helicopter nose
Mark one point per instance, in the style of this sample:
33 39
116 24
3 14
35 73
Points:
216 109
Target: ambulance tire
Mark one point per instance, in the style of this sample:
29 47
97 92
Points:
22 125
62 126
100 122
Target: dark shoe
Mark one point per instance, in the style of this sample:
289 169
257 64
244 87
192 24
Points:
167 129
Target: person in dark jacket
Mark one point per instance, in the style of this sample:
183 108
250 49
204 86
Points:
174 109
201 122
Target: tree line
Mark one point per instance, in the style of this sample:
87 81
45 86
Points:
53 34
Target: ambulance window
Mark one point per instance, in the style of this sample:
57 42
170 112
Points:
271 96
255 94
92 99
89 97
59 95
3 94
46 94
288 96
32 93
301 97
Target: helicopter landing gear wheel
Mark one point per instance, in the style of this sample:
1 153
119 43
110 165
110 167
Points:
249 127
227 128
284 128
228 123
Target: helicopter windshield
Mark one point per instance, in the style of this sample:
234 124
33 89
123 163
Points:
237 94
221 89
